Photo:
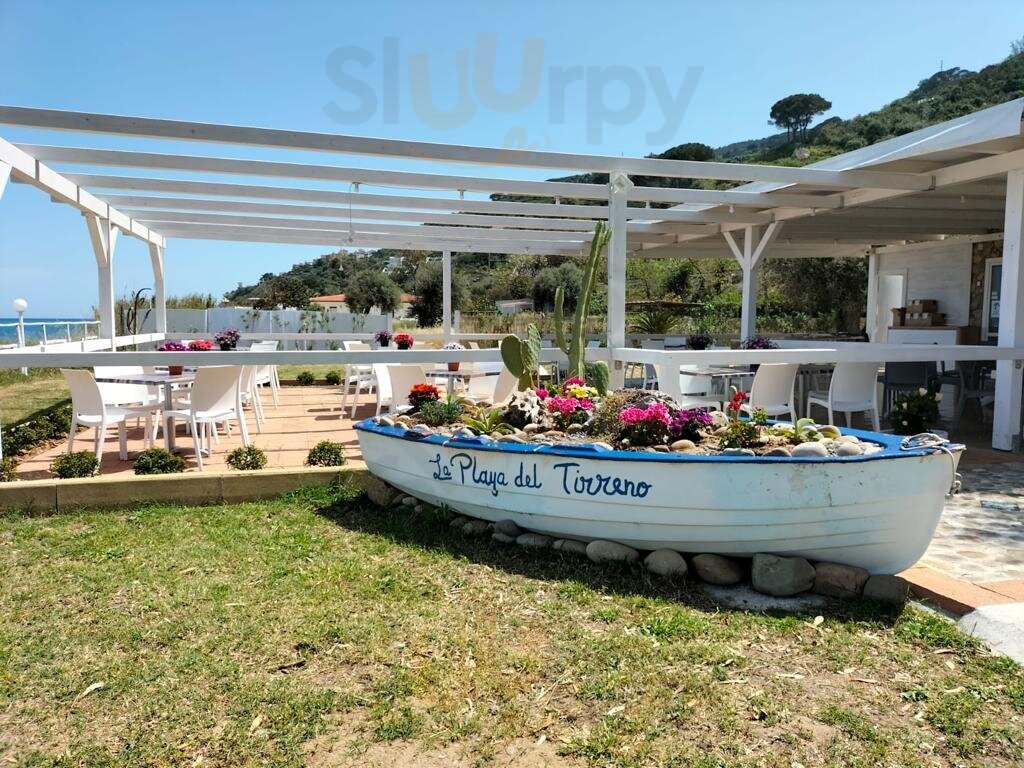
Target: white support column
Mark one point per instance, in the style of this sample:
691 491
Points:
1006 420
871 310
446 295
749 257
104 239
619 186
156 258
5 175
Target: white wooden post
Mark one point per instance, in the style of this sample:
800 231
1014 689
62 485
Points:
104 239
446 295
618 195
749 258
156 258
1006 420
5 174
871 310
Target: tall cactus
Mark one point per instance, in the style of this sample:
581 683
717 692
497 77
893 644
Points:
522 356
576 347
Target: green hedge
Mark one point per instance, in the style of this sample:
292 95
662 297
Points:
53 423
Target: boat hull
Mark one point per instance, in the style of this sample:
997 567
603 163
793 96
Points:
878 512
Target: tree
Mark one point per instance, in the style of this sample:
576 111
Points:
368 289
568 276
285 291
794 113
429 289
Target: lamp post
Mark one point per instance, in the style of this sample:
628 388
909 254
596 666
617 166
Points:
19 306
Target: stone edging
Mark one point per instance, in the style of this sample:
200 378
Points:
198 488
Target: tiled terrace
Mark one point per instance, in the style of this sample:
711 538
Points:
303 417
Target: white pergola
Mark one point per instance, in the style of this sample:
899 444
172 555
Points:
961 177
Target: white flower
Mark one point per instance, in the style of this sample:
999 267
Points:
938 397
904 406
922 391
904 422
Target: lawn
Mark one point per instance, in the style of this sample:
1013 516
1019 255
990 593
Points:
318 630
21 396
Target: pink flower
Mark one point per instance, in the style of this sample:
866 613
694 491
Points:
541 393
654 412
574 381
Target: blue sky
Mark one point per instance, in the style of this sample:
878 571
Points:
270 64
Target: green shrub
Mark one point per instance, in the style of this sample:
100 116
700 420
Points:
326 453
333 378
51 424
249 457
158 461
306 378
438 412
78 464
8 469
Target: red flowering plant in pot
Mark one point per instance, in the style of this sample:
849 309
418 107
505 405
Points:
173 346
423 393
403 340
200 345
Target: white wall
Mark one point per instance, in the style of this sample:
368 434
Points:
940 271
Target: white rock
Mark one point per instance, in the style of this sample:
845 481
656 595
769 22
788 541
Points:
667 563
683 445
847 439
611 552
849 449
806 450
410 501
534 540
476 527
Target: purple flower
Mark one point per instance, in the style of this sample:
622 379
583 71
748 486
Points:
172 346
758 342
689 423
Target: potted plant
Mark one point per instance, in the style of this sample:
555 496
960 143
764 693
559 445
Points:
200 345
453 346
699 340
227 339
383 338
403 340
757 342
173 346
915 412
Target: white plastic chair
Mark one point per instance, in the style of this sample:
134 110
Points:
250 393
89 410
267 374
119 393
772 390
359 376
401 378
216 397
494 389
854 388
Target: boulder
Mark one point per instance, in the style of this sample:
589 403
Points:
573 429
611 552
603 446
893 590
781 576
571 546
508 527
716 569
385 421
836 580
719 419
510 439
531 428
848 449
667 563
683 445
847 439
379 492
504 538
410 501
534 540
809 450
778 451
476 527
464 432
458 521
737 452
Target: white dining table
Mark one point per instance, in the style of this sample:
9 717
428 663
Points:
167 382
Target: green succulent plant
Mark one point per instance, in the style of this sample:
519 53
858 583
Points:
488 422
575 347
522 356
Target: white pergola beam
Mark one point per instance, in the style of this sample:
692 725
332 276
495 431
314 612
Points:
25 168
518 158
446 295
619 189
5 175
1006 418
156 259
103 235
405 180
361 240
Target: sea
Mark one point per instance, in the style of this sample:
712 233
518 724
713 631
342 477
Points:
34 333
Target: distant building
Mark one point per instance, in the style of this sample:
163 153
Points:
514 306
336 303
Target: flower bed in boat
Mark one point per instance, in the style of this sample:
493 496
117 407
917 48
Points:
628 420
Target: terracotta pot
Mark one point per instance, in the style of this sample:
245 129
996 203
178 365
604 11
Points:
175 370
453 366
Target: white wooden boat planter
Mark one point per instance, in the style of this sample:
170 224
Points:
876 511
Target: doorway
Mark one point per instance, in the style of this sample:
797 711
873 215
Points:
892 294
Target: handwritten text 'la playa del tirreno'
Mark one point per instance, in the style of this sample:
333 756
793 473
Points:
574 481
